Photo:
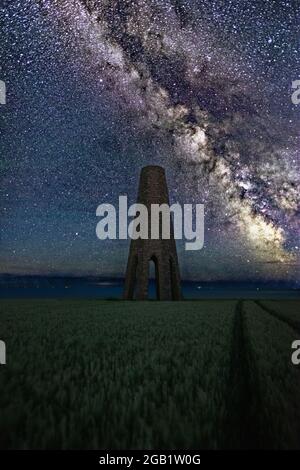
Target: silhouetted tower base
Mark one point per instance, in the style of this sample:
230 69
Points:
153 190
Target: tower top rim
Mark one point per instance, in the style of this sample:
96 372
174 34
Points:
154 168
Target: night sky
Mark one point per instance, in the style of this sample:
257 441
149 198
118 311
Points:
98 89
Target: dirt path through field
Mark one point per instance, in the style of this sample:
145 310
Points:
279 316
241 422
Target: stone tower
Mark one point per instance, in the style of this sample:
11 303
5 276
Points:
153 190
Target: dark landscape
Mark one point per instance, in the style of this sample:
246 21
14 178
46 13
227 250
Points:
125 375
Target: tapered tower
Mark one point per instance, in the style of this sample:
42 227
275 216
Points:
153 190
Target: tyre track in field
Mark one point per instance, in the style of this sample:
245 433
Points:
243 403
288 321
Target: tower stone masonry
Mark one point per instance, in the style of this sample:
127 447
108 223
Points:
153 190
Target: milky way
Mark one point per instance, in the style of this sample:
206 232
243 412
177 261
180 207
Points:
100 88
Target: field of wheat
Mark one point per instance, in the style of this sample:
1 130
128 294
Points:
130 375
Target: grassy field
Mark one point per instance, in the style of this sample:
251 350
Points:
109 374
